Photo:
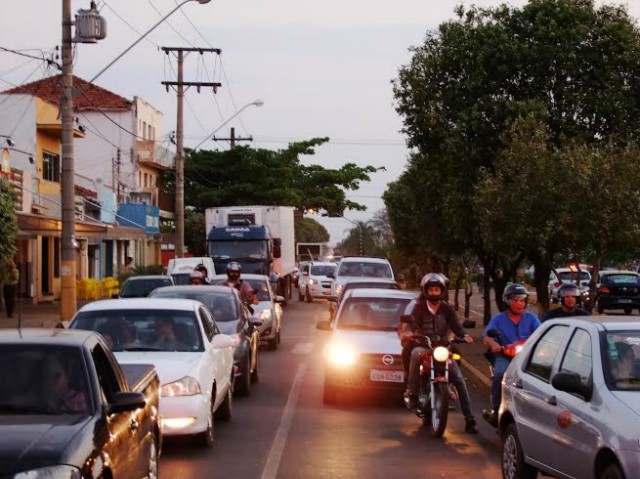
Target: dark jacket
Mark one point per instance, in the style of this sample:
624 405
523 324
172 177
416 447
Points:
440 323
561 313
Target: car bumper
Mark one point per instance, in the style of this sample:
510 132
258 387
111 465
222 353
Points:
358 377
613 302
319 292
183 415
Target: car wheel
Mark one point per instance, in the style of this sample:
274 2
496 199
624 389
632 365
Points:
152 471
207 437
329 393
255 376
513 465
612 471
300 295
225 411
307 296
244 384
627 310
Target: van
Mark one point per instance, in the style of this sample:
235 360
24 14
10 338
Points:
180 268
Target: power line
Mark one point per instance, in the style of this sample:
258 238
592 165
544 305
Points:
171 26
128 24
49 61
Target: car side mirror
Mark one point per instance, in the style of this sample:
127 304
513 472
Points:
222 341
323 325
494 333
406 318
126 401
570 382
280 299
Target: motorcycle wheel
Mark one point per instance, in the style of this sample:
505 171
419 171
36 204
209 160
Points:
440 410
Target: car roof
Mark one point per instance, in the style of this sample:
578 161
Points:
149 276
566 270
141 303
322 263
195 288
367 280
381 293
602 323
56 336
368 259
243 276
609 271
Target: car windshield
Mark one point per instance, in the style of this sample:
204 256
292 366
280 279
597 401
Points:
622 360
220 303
261 287
349 286
229 250
321 270
43 380
144 329
140 288
621 278
365 269
572 276
374 314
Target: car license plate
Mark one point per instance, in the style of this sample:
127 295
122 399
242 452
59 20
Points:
624 300
381 375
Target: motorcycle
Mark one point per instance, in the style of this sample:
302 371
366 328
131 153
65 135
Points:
434 393
507 350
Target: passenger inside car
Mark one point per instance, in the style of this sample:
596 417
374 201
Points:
58 392
624 367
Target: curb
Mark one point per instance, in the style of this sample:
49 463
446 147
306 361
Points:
483 378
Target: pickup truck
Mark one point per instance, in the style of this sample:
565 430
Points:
68 409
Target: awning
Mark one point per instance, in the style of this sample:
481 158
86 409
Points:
31 225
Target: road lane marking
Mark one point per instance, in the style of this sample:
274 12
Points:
303 348
270 470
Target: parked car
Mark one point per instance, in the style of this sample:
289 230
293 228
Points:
68 409
570 401
194 360
314 282
268 311
568 275
141 286
233 318
618 290
350 284
351 267
364 349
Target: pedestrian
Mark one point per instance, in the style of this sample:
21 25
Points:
10 276
128 265
480 279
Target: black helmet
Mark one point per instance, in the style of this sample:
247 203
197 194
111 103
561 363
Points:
514 290
569 289
434 279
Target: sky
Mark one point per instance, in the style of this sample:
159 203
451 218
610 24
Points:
321 69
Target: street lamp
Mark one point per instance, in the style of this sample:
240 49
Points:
179 179
67 188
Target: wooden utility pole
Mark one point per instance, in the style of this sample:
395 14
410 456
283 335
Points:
180 84
233 138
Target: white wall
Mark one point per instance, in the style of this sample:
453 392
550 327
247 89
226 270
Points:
147 114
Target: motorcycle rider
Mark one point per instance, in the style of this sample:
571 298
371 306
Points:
203 269
570 297
233 279
196 278
513 324
433 316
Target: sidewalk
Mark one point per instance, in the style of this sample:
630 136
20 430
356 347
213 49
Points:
43 315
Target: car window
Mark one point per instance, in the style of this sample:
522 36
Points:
621 278
322 270
376 314
577 358
622 360
571 276
365 269
207 322
261 287
141 288
545 352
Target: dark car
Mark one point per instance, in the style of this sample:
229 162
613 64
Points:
618 290
69 410
381 283
141 286
233 318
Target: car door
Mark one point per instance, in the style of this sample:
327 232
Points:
218 361
123 439
532 393
576 434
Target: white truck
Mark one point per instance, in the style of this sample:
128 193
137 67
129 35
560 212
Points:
260 238
311 251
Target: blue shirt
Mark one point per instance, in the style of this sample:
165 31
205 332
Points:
512 332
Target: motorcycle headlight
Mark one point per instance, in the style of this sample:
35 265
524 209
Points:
186 386
340 354
441 354
51 472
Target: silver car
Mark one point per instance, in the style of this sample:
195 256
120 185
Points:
571 401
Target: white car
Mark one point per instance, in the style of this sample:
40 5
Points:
568 276
364 350
314 282
358 267
268 311
180 338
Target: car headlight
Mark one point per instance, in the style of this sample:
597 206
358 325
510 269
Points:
51 472
441 354
311 281
263 315
186 386
340 354
339 289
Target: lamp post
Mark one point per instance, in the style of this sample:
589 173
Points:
179 178
67 189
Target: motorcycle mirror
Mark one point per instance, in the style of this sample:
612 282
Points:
406 318
493 333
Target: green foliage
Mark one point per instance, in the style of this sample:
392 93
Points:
308 230
8 220
246 176
195 233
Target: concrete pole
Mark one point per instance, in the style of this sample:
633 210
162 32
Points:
180 161
68 259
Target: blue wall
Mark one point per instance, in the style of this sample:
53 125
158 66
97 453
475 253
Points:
138 216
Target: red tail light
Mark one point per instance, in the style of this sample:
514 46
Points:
604 289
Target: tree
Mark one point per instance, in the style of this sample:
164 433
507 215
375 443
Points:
8 221
573 67
246 176
308 230
195 234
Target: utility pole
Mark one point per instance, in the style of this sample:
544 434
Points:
233 138
180 84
